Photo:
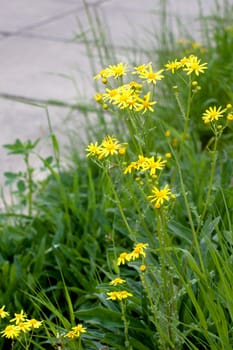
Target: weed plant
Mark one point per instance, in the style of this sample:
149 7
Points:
132 247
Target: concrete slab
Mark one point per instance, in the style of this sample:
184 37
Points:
21 14
37 68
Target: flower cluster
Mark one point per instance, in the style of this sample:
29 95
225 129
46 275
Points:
132 95
76 331
20 324
108 147
146 163
190 64
137 252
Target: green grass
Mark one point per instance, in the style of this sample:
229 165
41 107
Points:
61 239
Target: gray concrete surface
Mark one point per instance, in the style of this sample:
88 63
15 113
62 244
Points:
41 60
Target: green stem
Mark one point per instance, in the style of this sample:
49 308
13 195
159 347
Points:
30 184
164 253
212 172
126 326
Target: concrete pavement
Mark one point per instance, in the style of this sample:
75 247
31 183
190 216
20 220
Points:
43 57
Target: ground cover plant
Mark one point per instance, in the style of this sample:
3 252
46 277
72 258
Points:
132 247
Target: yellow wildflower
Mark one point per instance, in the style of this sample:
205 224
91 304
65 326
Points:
173 66
145 104
159 195
79 329
119 295
212 114
117 70
34 323
142 268
152 165
139 250
150 76
71 334
93 149
229 106
193 65
101 74
109 146
3 313
230 116
123 258
11 332
110 95
98 97
117 281
168 155
19 317
24 326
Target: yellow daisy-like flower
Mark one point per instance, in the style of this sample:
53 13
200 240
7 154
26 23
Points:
109 146
173 66
153 165
123 258
150 76
212 114
93 149
145 104
138 250
71 334
24 326
117 281
118 295
34 323
102 74
159 196
11 332
117 70
110 95
79 329
3 313
140 69
193 66
19 317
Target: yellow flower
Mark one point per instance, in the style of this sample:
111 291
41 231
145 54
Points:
98 97
193 65
142 268
71 334
34 323
117 281
109 146
79 329
167 133
122 151
139 250
3 313
11 332
24 326
168 155
229 106
19 317
212 114
123 258
130 167
93 149
174 65
150 76
110 95
140 69
152 165
117 70
145 104
230 116
160 195
101 74
119 295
